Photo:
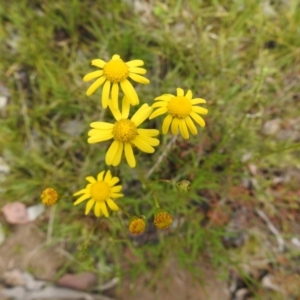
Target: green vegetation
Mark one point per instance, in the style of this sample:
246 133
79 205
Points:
243 57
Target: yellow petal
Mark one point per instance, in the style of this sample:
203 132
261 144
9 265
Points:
197 119
115 111
166 124
198 101
149 140
159 104
129 155
129 92
95 85
98 63
139 78
165 97
141 71
115 195
135 63
174 126
189 95
148 132
112 205
111 153
180 92
90 179
141 115
115 96
102 125
103 209
191 125
116 189
100 176
97 209
82 198
115 57
183 129
107 177
142 145
83 191
92 75
158 112
97 135
125 107
199 110
89 205
113 181
118 155
105 94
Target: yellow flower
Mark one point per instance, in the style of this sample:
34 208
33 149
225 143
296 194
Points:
137 225
126 135
115 73
162 219
49 196
100 192
182 111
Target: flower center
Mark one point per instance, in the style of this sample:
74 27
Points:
100 191
124 131
180 107
116 70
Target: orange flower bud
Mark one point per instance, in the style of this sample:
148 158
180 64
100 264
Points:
49 196
137 225
162 219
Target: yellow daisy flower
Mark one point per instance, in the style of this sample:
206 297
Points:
100 191
182 111
115 73
126 135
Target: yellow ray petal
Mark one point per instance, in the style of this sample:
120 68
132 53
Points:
174 126
148 140
82 198
141 115
96 84
191 125
116 161
98 63
97 209
165 97
105 94
115 195
115 96
199 110
89 206
129 155
99 136
198 101
141 71
159 104
83 191
197 119
189 95
103 209
166 124
108 176
129 92
90 179
135 63
111 153
113 181
180 92
139 78
116 189
125 107
101 125
92 75
183 129
142 145
112 205
148 132
100 176
158 112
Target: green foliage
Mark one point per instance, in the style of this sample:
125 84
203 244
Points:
238 55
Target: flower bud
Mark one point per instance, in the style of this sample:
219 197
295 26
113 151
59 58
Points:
137 225
183 185
162 219
49 196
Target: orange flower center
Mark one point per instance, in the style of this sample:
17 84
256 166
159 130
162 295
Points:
124 131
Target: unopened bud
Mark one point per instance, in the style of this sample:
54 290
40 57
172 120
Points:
137 225
162 219
49 196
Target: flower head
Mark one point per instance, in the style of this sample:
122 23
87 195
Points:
182 112
113 74
162 219
137 225
100 192
126 135
49 196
